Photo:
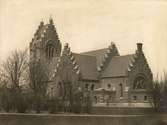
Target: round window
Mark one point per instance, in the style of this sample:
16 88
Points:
139 83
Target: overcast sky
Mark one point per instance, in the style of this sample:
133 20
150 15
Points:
90 24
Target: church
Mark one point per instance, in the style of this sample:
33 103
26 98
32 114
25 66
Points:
111 79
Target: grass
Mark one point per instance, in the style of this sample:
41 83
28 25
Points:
73 119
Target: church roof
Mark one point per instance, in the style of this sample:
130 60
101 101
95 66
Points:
118 66
99 54
108 60
112 63
87 65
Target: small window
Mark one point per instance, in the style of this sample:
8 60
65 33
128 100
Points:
86 86
109 86
145 98
135 98
59 85
92 87
95 98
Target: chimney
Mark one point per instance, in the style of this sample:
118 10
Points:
139 47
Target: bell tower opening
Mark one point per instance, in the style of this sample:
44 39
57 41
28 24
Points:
49 51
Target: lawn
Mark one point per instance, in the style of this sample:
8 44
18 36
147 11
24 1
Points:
72 119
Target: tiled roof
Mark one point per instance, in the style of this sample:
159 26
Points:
117 66
87 65
99 54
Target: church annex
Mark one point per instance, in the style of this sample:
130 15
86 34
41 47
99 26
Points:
109 77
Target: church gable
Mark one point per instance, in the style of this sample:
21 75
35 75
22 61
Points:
122 66
83 65
139 72
103 56
45 43
67 67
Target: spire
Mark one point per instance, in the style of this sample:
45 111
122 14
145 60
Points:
50 20
41 23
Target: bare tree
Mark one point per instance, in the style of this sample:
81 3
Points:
15 66
13 71
157 95
164 92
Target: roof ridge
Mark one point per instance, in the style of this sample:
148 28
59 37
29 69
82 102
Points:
124 55
93 50
84 55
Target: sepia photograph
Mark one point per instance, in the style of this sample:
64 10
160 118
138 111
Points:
83 62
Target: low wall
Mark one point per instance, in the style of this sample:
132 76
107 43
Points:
118 111
41 119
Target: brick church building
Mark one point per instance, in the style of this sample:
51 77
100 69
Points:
110 78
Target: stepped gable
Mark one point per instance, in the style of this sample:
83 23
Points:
139 55
83 65
44 35
66 53
44 30
103 56
120 65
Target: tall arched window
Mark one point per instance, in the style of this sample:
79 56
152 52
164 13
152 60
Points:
49 51
60 89
86 86
121 89
92 87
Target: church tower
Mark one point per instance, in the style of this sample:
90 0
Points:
45 44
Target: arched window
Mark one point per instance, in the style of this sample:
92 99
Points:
59 86
145 98
139 83
134 98
49 51
121 89
108 86
86 86
92 87
51 92
95 99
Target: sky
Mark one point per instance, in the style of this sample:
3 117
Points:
90 24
